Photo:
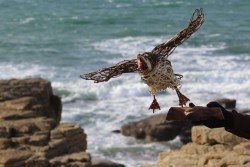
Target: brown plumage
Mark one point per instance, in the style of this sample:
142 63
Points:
154 67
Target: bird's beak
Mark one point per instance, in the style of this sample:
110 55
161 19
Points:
142 63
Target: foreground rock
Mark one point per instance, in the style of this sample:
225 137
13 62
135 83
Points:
31 134
209 148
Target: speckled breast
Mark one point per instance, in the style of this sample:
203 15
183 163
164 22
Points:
161 77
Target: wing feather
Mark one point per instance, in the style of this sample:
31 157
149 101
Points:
104 74
166 48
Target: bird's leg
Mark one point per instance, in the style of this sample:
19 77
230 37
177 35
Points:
182 99
154 105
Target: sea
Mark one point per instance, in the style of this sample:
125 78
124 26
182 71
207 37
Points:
59 40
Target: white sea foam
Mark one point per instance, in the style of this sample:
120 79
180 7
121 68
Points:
128 46
103 116
123 5
25 70
27 20
100 117
213 35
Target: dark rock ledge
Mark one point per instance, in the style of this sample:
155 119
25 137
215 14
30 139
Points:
157 128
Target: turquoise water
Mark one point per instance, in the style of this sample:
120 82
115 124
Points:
59 40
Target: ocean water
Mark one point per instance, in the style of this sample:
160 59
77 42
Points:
59 40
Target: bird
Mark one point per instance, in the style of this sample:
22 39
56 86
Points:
154 67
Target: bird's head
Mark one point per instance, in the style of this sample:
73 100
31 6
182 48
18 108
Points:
146 62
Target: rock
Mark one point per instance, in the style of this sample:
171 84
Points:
79 159
22 103
56 108
116 131
227 103
7 131
5 143
204 135
13 157
20 127
209 148
105 163
36 161
39 138
193 148
23 140
56 148
18 96
73 134
35 87
245 111
242 148
235 159
31 134
156 128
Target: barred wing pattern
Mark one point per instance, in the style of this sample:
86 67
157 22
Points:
165 49
116 70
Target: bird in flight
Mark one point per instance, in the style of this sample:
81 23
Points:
154 67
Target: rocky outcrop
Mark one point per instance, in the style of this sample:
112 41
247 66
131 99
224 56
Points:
157 128
31 134
209 148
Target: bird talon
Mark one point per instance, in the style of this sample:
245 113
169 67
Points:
182 99
154 105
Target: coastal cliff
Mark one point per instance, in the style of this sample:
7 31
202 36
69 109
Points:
30 130
31 134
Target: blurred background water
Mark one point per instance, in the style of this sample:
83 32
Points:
59 40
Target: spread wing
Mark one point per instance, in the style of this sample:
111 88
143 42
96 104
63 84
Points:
116 70
166 48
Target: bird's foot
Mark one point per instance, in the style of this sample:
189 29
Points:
182 99
154 105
